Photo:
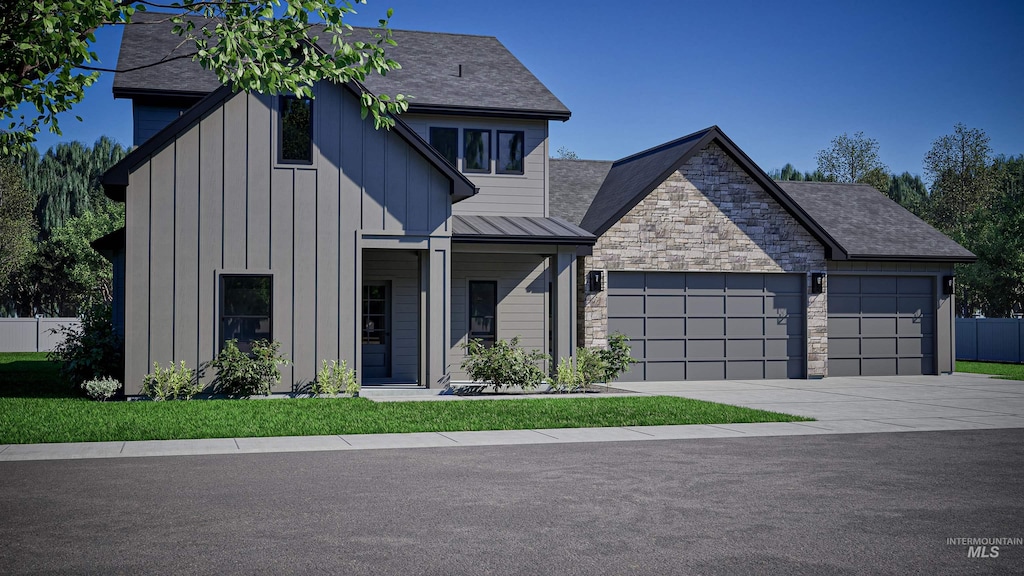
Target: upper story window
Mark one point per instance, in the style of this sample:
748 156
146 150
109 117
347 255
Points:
476 156
510 152
446 141
296 130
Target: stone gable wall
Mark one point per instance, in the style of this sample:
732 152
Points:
709 216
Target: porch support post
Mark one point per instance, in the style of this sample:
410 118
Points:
438 310
564 295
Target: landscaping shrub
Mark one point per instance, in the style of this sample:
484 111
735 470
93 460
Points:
568 377
101 388
591 366
171 383
91 351
504 364
335 378
616 357
243 375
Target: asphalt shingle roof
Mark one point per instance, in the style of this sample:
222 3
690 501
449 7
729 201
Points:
573 185
867 224
440 71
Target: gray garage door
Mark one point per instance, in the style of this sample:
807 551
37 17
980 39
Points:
881 325
709 326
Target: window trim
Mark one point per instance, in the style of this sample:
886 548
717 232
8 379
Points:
281 99
497 153
219 338
469 309
489 152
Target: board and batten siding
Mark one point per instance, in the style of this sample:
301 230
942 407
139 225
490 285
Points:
148 119
522 300
215 200
500 194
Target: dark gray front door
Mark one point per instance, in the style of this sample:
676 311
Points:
376 323
881 325
705 326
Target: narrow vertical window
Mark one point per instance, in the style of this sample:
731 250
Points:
510 152
476 155
246 305
296 130
446 141
483 312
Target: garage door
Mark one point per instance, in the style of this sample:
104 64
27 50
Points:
698 326
881 325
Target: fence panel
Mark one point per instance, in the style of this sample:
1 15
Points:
990 339
32 334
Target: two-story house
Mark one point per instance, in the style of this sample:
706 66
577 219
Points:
252 216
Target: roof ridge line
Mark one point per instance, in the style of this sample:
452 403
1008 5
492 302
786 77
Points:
666 145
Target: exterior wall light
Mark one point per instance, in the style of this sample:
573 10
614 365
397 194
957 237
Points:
817 282
595 281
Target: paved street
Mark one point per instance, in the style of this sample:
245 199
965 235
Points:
820 504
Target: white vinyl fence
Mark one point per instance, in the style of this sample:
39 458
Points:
32 334
990 339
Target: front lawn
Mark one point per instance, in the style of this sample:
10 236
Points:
36 407
1007 371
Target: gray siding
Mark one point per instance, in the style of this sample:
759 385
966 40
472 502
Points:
401 268
500 194
216 201
522 299
148 120
944 306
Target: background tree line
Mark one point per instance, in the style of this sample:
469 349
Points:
51 207
974 198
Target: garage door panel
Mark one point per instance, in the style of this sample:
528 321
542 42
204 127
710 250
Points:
666 306
712 283
792 325
791 347
784 304
744 369
891 331
744 306
626 282
706 306
705 327
744 326
711 370
875 326
666 371
665 283
920 305
633 328
619 305
878 346
705 349
635 373
666 349
752 283
784 283
744 349
666 327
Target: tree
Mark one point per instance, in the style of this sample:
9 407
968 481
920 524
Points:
909 191
853 159
958 165
17 223
566 154
267 46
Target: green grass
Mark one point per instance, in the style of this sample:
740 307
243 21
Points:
1007 371
35 407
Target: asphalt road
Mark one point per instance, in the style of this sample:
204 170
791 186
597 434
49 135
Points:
841 504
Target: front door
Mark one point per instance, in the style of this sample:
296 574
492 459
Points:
376 323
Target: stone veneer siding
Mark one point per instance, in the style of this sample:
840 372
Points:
709 216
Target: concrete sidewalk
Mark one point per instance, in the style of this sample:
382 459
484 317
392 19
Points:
840 405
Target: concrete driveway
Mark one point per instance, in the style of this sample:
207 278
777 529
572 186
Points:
869 404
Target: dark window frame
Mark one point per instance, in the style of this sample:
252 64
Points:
430 134
488 153
222 307
522 153
282 100
491 336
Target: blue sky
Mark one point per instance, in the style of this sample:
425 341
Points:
780 78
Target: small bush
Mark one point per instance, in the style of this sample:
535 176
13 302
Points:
504 364
568 377
92 350
101 388
335 378
240 374
171 383
616 357
591 366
